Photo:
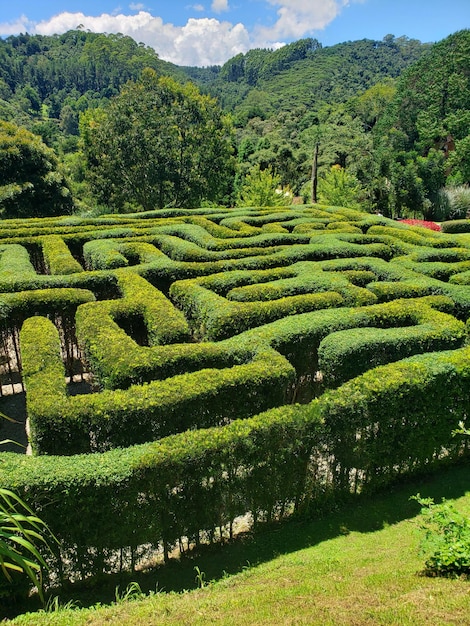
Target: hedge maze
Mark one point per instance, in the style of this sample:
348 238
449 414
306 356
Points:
184 368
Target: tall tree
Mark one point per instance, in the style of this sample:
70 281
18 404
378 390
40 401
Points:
157 144
340 188
30 182
263 188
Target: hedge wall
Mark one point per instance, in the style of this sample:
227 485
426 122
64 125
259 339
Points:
391 420
199 332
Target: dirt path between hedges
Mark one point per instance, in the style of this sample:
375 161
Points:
13 405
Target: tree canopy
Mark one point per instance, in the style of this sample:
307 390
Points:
393 114
263 188
31 184
158 143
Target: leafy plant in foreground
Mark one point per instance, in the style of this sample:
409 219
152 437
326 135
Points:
447 534
446 540
21 532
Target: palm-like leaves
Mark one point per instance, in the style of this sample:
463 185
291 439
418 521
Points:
20 533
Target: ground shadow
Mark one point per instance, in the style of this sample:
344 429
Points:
13 406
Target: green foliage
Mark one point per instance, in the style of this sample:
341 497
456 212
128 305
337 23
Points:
446 541
195 480
257 64
131 593
299 74
372 103
227 477
103 254
262 188
15 262
456 203
159 408
283 102
404 328
18 306
72 71
421 112
32 185
458 161
201 344
423 136
456 226
21 533
339 188
57 256
158 143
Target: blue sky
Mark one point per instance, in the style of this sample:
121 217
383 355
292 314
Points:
208 32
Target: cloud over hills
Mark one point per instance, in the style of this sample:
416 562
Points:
200 41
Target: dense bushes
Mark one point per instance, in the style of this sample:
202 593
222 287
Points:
61 425
198 331
253 375
391 420
456 226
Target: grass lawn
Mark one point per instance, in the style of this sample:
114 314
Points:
359 565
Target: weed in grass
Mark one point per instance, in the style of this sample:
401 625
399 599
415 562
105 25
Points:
133 591
200 578
54 605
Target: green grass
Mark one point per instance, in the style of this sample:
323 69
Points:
357 566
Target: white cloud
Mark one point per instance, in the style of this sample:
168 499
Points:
218 6
21 25
297 18
201 41
136 6
210 42
198 7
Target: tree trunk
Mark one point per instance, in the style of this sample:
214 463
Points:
315 174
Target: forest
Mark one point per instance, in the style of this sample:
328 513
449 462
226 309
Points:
95 123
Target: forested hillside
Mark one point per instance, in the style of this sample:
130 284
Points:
46 82
387 121
68 73
305 73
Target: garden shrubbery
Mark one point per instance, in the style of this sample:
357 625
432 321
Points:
198 332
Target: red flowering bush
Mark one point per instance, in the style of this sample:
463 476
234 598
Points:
423 223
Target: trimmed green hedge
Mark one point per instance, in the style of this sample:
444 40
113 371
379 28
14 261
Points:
392 420
57 256
345 354
103 254
252 374
187 435
76 424
456 226
15 263
250 303
398 419
17 307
